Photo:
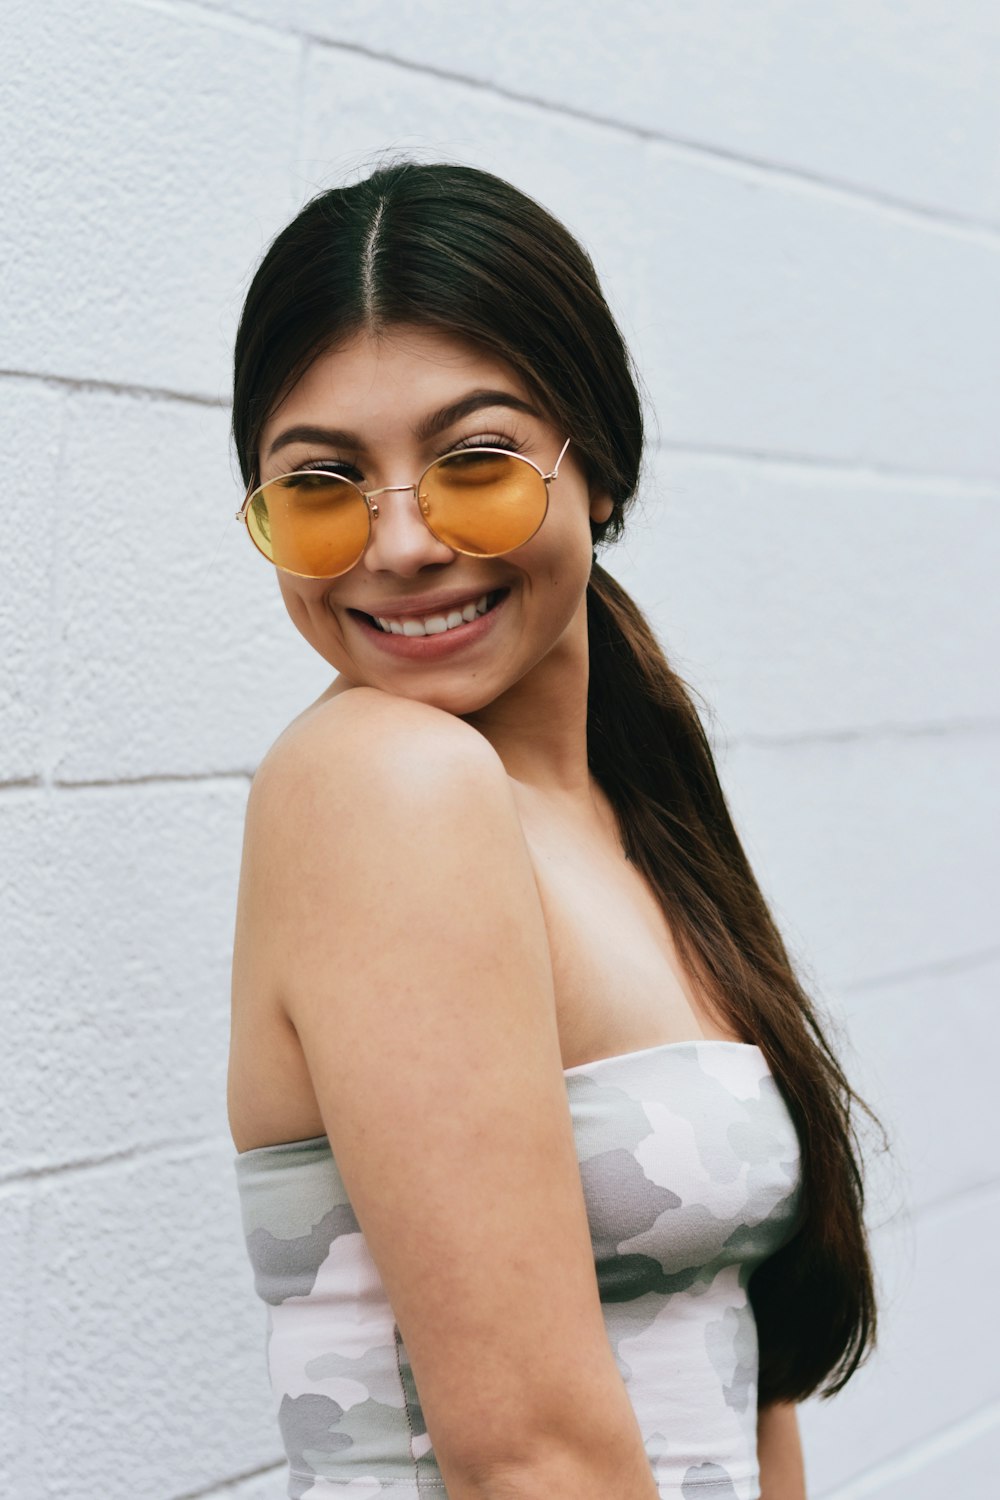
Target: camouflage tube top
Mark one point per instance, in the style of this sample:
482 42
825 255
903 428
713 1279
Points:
690 1168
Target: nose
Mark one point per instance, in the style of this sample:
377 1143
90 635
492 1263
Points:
401 541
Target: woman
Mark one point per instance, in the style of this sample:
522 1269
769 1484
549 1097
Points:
548 1175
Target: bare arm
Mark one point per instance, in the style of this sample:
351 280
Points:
398 921
779 1452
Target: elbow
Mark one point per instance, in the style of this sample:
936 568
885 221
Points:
608 1459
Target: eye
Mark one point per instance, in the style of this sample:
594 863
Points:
308 481
330 466
488 440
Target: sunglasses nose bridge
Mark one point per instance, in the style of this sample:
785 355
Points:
386 489
374 510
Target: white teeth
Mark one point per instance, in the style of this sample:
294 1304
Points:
435 624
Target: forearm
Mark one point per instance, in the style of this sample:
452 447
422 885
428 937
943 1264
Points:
779 1453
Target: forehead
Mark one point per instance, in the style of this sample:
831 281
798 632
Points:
390 381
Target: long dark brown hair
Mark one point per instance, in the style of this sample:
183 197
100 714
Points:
459 249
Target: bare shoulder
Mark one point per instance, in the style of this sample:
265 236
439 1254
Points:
369 728
368 794
361 792
366 773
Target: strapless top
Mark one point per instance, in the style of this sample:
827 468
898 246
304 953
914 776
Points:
691 1174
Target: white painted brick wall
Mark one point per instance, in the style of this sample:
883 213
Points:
797 213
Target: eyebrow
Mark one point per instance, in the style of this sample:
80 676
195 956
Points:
428 427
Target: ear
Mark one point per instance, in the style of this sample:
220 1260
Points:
601 506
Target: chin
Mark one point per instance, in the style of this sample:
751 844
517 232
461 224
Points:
451 692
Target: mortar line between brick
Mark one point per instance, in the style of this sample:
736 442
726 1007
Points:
983 1191
960 963
861 473
906 1463
178 1148
965 225
222 1488
36 789
297 172
955 730
222 20
807 463
152 778
966 728
54 655
909 1219
115 387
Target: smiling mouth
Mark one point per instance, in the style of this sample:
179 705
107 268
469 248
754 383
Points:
413 626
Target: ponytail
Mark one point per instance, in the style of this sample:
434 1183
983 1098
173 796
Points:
814 1300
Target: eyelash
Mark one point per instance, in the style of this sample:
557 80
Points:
341 466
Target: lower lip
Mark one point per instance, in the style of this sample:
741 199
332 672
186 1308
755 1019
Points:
432 647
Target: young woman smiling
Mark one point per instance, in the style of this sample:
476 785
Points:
548 1174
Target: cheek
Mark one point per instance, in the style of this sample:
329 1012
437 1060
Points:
565 553
305 605
291 596
558 573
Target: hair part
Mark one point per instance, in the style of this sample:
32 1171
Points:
368 262
456 248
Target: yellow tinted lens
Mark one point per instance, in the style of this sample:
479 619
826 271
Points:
313 524
483 502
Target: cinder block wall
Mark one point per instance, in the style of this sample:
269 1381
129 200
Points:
796 210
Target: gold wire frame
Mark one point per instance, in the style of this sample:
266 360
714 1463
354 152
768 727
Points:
370 496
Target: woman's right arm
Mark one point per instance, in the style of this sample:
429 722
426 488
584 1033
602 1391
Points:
390 900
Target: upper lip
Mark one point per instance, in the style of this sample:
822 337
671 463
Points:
426 604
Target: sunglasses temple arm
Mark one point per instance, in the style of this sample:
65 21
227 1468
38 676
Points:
241 513
562 454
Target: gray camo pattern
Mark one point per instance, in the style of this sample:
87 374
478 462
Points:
690 1168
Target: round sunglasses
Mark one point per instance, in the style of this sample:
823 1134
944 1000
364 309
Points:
480 501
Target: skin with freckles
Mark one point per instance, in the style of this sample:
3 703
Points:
525 683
